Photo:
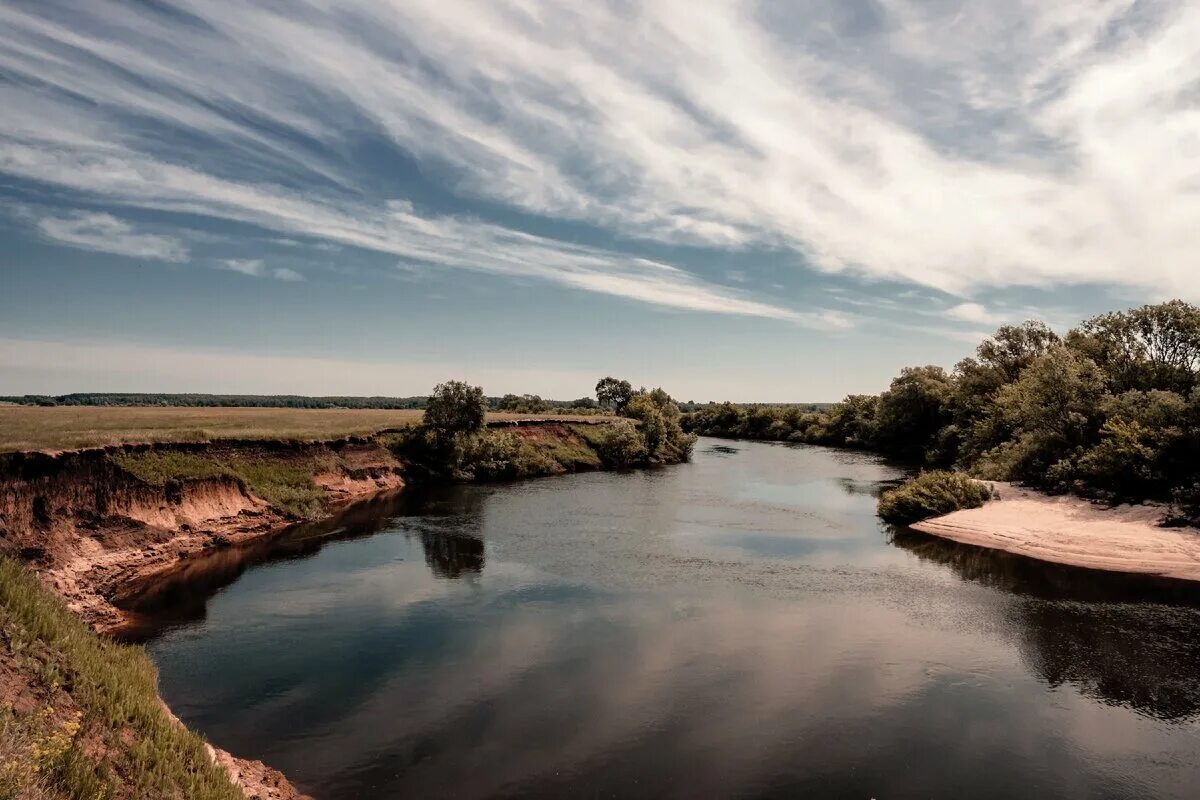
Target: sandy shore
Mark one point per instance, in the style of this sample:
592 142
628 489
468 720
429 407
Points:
1073 531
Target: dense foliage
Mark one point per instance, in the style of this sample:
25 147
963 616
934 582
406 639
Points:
614 393
931 494
1111 410
454 443
455 407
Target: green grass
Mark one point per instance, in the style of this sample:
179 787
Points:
286 483
116 740
570 455
931 494
163 466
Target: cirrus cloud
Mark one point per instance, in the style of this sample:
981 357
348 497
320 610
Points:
106 233
957 146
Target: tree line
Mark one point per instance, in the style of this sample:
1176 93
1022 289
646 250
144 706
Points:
524 404
1110 411
453 441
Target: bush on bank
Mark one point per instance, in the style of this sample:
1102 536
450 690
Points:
931 494
455 444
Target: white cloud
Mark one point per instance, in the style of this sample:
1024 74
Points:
914 151
107 234
285 274
255 268
246 266
974 312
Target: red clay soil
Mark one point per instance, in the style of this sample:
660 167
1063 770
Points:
90 528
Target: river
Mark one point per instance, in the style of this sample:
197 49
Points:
740 626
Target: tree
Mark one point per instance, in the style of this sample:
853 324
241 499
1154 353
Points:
659 426
999 360
1152 347
614 393
456 407
851 422
1054 410
913 411
1014 347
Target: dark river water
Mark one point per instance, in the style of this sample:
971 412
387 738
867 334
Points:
741 626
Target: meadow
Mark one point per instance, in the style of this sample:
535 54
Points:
71 427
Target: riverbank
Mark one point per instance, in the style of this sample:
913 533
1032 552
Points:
1076 532
94 523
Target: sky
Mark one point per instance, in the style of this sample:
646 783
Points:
734 200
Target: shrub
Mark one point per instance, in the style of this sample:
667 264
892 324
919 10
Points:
931 494
496 455
618 444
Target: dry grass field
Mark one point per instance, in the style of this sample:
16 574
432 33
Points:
71 427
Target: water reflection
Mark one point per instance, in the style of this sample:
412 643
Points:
740 626
441 518
1123 639
452 556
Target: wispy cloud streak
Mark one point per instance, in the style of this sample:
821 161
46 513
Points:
956 146
107 234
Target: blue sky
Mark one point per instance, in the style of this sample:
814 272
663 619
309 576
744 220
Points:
735 200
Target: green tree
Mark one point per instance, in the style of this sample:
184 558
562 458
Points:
1152 347
1054 410
913 411
456 407
659 424
999 360
614 393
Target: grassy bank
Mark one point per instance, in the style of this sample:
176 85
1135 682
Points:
286 483
80 715
67 428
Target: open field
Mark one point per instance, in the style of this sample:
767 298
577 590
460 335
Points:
70 427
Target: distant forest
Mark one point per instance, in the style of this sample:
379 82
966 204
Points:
1110 411
523 403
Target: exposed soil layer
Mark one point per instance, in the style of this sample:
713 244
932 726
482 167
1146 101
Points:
90 527
1076 532
93 530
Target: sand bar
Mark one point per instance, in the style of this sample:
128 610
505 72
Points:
1077 532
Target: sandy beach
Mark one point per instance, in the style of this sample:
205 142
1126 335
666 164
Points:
1070 530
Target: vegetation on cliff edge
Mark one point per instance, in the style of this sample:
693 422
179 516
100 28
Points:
454 444
80 715
285 483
